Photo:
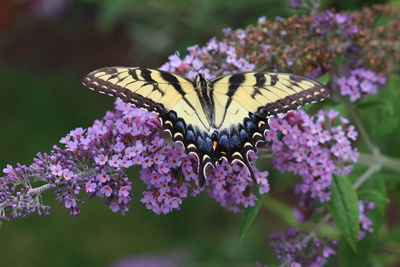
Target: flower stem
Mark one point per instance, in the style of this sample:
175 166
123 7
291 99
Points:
34 191
265 156
40 189
363 133
364 177
385 162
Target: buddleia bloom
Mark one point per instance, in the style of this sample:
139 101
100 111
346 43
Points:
314 148
95 160
294 248
359 82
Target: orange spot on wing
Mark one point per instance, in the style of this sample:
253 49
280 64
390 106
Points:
215 143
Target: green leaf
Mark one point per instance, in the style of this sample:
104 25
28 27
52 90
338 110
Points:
281 210
374 190
249 215
324 79
378 103
343 207
392 177
372 195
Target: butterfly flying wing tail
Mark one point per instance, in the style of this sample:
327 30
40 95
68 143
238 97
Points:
202 176
250 170
202 172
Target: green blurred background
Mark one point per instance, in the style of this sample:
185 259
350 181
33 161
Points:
45 47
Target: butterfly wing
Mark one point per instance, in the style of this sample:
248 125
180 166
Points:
153 90
171 96
242 104
245 101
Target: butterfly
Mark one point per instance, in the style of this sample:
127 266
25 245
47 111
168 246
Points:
220 119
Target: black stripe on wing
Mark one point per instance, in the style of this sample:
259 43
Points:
295 100
113 89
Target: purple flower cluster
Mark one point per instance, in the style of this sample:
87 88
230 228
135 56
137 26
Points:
345 24
364 207
339 23
95 161
199 59
295 249
17 200
359 82
170 184
323 22
232 186
171 259
315 148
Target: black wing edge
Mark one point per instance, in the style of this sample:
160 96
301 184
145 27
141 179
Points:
316 93
112 89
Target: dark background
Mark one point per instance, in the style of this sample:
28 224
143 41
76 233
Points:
45 47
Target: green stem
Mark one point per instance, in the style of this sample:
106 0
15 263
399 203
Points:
364 177
265 156
363 133
40 189
385 162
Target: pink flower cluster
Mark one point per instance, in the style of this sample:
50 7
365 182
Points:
364 207
95 160
199 59
359 82
315 148
294 249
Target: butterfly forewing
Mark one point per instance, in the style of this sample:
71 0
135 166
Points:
269 94
153 90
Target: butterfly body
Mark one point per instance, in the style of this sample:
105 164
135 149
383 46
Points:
221 119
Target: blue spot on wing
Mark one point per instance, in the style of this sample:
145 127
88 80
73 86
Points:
190 136
223 143
235 143
204 145
180 126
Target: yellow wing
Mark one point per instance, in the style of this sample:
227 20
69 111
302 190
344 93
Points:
262 94
154 90
245 101
144 88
